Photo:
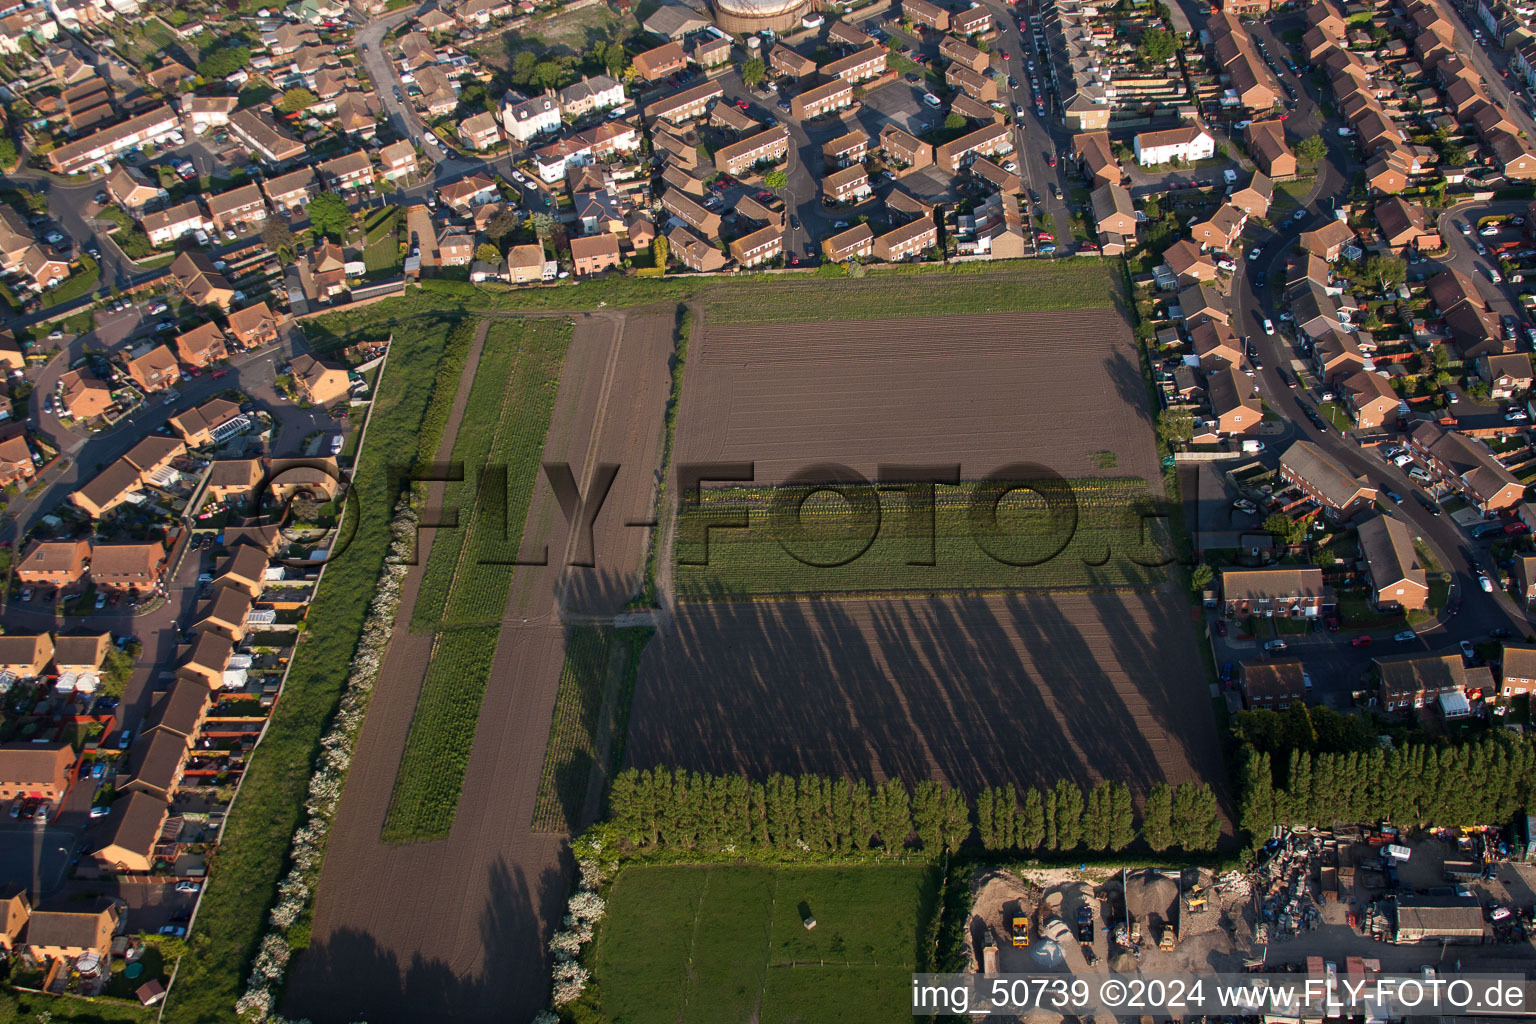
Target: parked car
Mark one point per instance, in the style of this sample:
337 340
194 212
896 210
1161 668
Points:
1363 640
1467 650
1274 646
185 886
100 812
1485 582
1405 636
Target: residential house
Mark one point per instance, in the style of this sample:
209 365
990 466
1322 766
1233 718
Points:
758 247
1253 197
199 283
233 481
693 252
989 140
845 150
706 222
84 397
23 655
1406 225
594 254
290 193
975 20
1096 158
525 264
210 422
208 660
738 158
825 98
153 368
263 138
1222 230
859 66
658 63
904 150
253 326
129 188
1412 681
53 563
468 192
600 92
523 118
125 842
1466 466
239 208
128 568
921 12
849 185
99 149
1270 152
226 613
1202 302
70 934
1327 240
1273 684
35 771
1517 670
1188 143
165 226
1235 406
1283 591
480 132
685 105
1319 476
1398 581
1505 375
349 171
1216 345
244 568
1369 399
1114 214
1189 263
1336 355
398 160
318 383
202 345
962 52
856 242
156 765
907 241
15 908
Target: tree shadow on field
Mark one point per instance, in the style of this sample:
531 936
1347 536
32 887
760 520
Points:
350 977
977 691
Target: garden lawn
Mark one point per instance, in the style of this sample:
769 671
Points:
82 282
244 871
469 570
726 944
1101 550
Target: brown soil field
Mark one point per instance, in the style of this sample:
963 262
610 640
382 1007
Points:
979 692
982 391
456 930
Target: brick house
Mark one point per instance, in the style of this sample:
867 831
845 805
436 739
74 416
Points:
1286 591
54 563
1411 681
758 247
253 326
1369 399
202 345
36 771
594 254
1312 471
907 241
153 369
1272 685
1398 581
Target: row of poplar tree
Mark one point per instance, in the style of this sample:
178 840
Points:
1480 783
660 808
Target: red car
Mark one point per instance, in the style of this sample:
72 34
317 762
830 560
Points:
1221 627
219 373
742 104
1515 527
1051 159
1360 641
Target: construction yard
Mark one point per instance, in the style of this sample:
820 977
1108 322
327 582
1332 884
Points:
1193 921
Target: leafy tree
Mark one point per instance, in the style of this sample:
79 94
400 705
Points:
222 61
36 201
500 227
1440 356
1069 814
1292 531
523 63
1122 827
1388 271
1096 819
277 235
8 153
543 224
1454 155
660 249
329 216
297 99
1196 819
1200 577
1031 822
548 74
1312 149
954 122
1256 816
753 72
488 253
775 179
1175 426
1157 45
1324 558
1157 817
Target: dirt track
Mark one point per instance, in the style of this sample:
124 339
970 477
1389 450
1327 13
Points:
979 692
982 391
455 930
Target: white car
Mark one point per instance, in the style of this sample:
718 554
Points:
1269 326
1486 583
1346 132
932 100
1467 651
1495 276
1489 231
1253 253
1226 265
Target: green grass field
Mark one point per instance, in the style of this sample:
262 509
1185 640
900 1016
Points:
242 885
890 292
725 945
468 573
773 556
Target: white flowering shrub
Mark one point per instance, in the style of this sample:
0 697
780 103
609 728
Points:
296 890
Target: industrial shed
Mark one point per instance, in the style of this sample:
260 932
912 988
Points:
1457 919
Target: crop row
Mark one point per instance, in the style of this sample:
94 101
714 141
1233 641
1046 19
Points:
469 571
1116 540
571 752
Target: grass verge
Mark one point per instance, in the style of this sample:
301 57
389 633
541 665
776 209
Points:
469 570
